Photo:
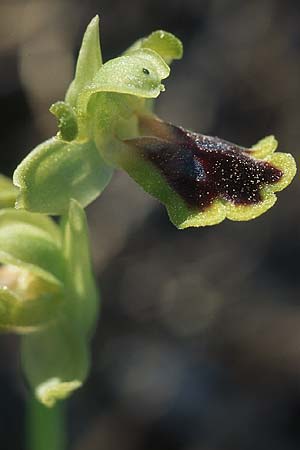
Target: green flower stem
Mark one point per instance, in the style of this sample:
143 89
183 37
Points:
45 426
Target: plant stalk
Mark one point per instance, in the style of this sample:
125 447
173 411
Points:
45 427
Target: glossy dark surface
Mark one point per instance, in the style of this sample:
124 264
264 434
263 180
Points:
202 168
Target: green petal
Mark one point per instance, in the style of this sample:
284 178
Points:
55 361
139 74
28 246
168 46
88 63
79 281
56 171
8 192
28 315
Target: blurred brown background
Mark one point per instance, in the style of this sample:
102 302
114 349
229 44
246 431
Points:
198 346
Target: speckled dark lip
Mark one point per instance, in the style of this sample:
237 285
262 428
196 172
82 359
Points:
202 168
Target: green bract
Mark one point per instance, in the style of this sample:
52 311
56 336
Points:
56 360
48 295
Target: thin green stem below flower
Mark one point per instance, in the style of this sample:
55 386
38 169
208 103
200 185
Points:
45 426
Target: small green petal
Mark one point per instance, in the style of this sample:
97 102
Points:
8 192
67 122
55 361
79 280
56 171
139 74
88 63
29 247
168 46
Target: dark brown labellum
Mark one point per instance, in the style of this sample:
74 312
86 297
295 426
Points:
202 168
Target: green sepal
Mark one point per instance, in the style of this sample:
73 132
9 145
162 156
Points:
56 171
67 121
8 192
168 46
88 63
139 73
81 292
24 243
55 361
27 315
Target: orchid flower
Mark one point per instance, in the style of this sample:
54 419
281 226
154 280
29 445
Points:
106 122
